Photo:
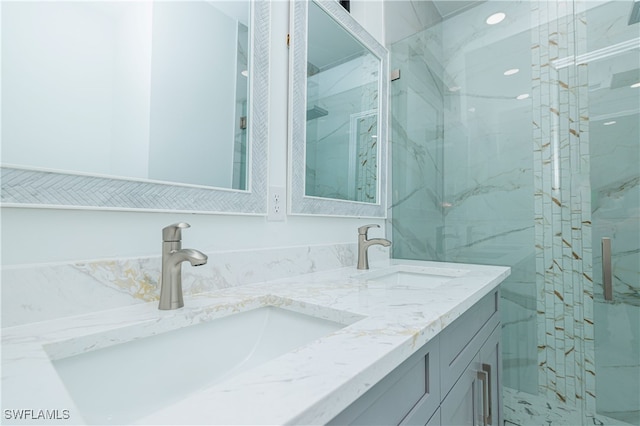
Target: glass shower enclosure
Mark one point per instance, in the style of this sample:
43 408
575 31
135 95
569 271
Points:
518 144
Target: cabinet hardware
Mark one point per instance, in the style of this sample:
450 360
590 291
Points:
483 377
487 369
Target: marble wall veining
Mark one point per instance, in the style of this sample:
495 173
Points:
33 293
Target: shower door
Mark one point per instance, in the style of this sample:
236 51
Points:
613 50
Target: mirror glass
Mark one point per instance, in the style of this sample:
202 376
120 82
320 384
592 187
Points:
338 106
152 90
149 93
342 112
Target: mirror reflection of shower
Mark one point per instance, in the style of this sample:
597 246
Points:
342 117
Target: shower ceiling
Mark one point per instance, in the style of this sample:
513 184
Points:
450 8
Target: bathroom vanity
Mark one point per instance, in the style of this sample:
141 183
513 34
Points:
405 342
453 379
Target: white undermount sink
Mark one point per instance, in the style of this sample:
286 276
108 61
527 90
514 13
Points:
125 382
412 276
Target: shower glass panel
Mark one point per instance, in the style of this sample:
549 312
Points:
518 144
462 162
614 148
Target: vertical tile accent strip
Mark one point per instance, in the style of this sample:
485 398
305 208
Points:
582 229
564 285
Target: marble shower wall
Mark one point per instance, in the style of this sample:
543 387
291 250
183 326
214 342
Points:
462 163
417 147
488 166
44 292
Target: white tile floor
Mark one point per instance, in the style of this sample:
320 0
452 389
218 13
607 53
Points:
524 409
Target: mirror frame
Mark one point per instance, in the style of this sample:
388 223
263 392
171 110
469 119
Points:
299 202
42 188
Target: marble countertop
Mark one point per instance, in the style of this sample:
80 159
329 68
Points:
309 385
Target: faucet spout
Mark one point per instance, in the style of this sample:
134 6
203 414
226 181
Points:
364 244
173 255
378 241
195 257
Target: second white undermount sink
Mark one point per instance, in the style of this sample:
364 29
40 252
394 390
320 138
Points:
126 382
412 276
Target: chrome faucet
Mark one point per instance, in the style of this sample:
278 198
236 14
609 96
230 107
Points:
364 244
172 257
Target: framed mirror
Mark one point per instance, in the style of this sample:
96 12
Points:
136 105
338 114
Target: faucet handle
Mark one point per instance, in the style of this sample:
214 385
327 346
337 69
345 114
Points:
363 229
174 232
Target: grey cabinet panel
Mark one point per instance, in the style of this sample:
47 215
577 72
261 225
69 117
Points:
476 397
453 380
435 419
462 339
460 407
411 391
425 407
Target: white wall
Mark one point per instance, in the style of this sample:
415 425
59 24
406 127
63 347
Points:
51 235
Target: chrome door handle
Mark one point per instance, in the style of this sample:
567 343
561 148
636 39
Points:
607 273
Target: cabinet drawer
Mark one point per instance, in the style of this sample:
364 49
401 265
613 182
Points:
409 395
462 339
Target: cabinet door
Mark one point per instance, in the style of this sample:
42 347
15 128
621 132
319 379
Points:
410 394
462 339
460 407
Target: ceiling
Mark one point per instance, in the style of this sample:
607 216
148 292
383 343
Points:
448 8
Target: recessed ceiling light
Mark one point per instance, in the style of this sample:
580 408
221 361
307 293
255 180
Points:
512 71
608 123
245 73
523 96
454 88
636 85
472 109
496 18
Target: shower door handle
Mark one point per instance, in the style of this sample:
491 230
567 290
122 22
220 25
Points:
607 273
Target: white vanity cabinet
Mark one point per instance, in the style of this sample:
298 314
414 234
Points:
454 379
